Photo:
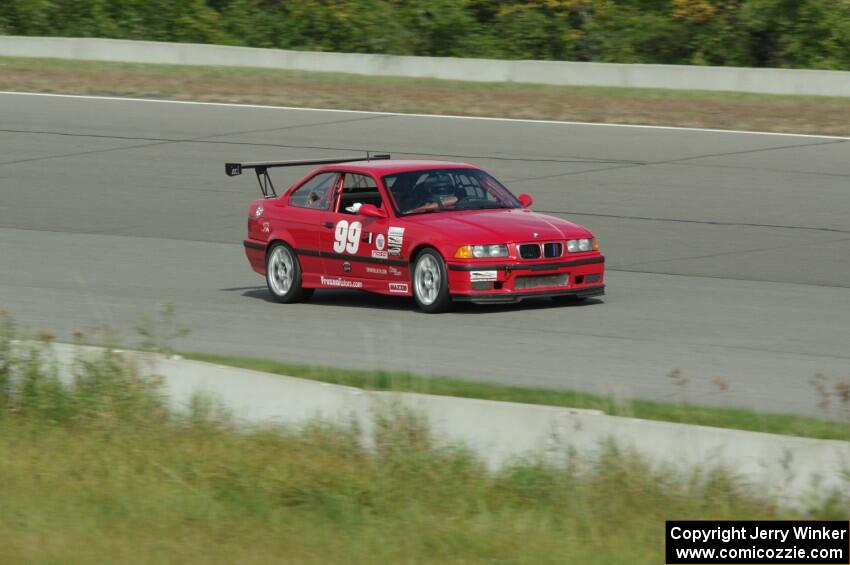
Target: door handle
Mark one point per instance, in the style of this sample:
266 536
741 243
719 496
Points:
329 225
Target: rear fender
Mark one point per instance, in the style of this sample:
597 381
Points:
257 257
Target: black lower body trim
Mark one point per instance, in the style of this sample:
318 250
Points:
509 298
352 258
254 245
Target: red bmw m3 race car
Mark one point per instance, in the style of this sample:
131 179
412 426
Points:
437 231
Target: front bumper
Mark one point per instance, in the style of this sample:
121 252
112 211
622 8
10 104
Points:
503 298
513 281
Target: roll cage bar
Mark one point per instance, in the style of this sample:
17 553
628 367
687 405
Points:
266 186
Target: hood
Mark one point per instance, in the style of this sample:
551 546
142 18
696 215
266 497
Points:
500 226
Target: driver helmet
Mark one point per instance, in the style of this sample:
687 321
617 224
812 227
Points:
439 185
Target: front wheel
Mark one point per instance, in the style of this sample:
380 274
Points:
283 275
431 282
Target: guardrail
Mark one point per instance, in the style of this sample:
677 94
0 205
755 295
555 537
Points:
563 73
790 468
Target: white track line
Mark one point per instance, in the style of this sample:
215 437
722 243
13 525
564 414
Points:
441 116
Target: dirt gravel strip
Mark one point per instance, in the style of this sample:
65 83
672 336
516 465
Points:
755 112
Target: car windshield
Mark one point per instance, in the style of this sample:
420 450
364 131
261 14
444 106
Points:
437 190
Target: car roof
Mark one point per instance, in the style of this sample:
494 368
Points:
389 166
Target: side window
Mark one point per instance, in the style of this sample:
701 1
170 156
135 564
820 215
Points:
315 193
358 190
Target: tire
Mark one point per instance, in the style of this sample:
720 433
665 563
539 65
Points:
430 282
283 275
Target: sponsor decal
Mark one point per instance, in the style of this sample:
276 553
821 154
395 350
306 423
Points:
399 287
266 227
376 270
346 266
380 242
379 254
481 276
395 272
347 236
395 240
343 283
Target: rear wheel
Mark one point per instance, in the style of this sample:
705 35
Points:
431 282
283 275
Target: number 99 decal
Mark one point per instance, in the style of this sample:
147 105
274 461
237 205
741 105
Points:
347 236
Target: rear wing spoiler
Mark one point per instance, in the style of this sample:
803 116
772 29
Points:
266 186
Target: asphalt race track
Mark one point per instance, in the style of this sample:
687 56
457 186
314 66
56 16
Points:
728 253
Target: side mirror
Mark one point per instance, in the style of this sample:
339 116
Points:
526 200
371 211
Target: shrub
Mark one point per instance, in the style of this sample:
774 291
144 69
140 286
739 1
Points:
776 33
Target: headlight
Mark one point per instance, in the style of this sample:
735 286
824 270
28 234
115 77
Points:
587 244
481 251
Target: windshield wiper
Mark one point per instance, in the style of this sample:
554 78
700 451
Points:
423 212
487 207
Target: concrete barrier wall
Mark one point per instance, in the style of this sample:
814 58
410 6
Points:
499 432
677 77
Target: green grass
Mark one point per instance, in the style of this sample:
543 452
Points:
735 418
99 470
170 493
